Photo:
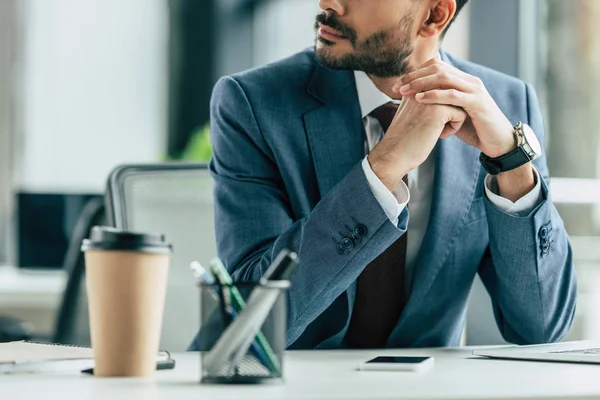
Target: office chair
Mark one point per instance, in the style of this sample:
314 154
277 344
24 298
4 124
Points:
72 321
174 199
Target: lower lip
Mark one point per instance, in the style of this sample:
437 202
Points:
329 36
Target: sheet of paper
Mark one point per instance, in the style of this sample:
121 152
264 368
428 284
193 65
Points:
24 352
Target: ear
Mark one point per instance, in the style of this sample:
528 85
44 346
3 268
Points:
439 15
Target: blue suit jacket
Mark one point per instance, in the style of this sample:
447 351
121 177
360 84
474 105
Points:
288 140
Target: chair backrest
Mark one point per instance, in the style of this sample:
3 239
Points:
175 199
72 322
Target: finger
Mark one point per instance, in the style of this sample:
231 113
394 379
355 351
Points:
433 67
457 120
426 70
428 63
457 116
442 80
449 97
449 130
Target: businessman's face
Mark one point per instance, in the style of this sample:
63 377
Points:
374 36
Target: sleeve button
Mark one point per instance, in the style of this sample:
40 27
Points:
347 244
355 238
361 230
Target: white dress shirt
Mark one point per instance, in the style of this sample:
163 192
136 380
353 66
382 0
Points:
419 193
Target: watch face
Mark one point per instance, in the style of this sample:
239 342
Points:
532 140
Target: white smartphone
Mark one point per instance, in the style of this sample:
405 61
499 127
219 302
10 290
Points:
412 364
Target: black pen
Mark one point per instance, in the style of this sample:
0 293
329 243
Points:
160 366
282 268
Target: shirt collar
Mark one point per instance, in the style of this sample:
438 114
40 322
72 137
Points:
369 97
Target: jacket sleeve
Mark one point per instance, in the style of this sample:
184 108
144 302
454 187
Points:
528 270
254 221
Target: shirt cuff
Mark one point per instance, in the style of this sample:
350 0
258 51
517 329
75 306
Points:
393 203
523 206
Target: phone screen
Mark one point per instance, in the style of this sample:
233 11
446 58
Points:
397 360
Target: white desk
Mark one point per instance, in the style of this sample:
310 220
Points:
25 288
32 296
332 375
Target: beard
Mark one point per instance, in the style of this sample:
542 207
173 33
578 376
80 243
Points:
385 54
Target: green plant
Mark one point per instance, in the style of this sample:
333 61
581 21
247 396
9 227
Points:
198 147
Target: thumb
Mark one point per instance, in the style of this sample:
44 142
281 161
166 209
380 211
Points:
456 118
456 115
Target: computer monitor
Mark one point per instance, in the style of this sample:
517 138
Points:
45 223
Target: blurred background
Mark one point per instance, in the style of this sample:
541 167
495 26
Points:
87 85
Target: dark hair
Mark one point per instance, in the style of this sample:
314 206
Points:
459 6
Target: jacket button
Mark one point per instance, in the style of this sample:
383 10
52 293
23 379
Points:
345 246
361 230
341 250
355 238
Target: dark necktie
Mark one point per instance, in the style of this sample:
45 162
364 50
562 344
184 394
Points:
379 292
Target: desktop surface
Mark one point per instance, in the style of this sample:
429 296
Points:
332 375
33 296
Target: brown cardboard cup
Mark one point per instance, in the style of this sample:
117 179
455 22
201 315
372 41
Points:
126 278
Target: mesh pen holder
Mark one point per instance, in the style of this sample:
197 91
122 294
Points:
261 357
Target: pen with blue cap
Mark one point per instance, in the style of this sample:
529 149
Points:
237 338
229 314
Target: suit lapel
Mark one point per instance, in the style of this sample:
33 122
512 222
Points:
336 139
456 177
335 131
457 171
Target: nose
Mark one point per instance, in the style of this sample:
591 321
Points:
336 6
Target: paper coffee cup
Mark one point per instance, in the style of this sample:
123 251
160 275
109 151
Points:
126 279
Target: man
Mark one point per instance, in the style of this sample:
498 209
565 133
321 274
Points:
397 173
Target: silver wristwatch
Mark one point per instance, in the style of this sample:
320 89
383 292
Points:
528 149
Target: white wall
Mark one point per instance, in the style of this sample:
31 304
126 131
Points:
283 27
94 90
8 40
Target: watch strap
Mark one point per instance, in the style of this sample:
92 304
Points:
513 160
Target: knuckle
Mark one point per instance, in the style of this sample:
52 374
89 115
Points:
443 76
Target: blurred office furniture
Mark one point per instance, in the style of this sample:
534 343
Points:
45 226
33 296
481 328
175 199
12 330
71 326
72 322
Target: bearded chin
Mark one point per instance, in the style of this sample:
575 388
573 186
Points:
383 64
385 54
